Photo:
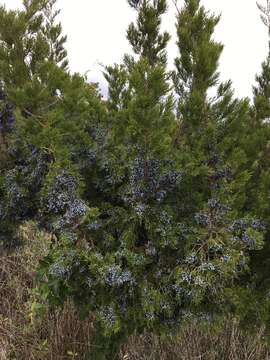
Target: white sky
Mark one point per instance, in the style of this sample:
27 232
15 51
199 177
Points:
96 32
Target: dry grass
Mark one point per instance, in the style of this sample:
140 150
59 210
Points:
196 344
62 335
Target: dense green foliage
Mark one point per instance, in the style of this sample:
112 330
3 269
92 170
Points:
157 199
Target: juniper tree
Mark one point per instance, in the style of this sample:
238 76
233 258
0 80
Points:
144 82
127 253
256 148
31 54
146 233
196 66
259 139
22 52
261 90
204 122
146 237
42 106
33 60
129 203
212 139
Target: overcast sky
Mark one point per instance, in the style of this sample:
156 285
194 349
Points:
96 32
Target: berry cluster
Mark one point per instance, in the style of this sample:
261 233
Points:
150 181
246 231
115 276
23 182
213 214
62 203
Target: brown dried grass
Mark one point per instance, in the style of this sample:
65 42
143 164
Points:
198 344
59 335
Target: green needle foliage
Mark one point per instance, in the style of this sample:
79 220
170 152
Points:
255 147
196 66
215 135
152 196
46 113
153 240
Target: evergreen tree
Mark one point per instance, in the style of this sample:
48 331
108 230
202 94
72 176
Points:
260 181
128 188
151 239
196 66
261 90
213 139
153 215
207 125
256 146
146 115
47 115
31 53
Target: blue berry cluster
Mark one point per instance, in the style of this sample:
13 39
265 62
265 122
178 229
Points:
61 193
59 270
23 182
207 267
240 225
149 180
240 230
108 317
115 276
219 174
213 214
63 204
